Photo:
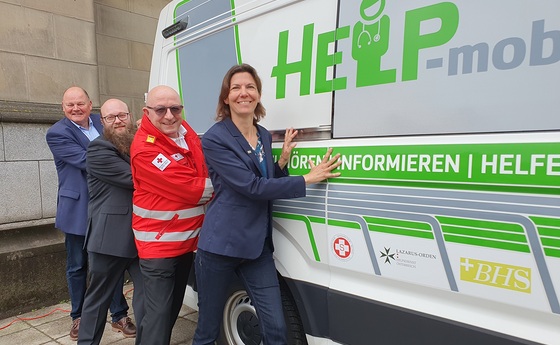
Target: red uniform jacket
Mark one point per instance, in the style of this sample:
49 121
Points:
171 186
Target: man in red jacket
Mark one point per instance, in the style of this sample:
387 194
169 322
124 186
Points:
171 188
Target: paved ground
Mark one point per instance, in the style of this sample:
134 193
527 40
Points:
51 326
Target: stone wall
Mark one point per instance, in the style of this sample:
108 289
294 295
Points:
48 45
32 266
104 46
125 32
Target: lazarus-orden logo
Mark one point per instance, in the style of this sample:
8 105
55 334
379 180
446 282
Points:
405 257
387 255
496 274
373 34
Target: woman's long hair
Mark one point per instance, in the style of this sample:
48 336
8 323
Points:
223 111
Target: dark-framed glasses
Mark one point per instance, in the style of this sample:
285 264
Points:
161 111
112 118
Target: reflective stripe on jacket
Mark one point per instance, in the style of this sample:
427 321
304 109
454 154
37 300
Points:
171 187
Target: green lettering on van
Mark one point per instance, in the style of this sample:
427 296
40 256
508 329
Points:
284 68
369 43
521 167
414 41
326 60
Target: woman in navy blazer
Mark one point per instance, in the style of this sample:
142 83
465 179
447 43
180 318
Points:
236 236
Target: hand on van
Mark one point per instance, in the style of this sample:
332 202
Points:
287 147
324 169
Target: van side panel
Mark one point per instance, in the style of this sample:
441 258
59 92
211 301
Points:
473 241
358 321
428 67
282 44
445 221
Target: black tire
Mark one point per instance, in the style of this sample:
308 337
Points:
240 324
296 333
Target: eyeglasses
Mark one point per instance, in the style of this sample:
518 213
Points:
161 111
112 118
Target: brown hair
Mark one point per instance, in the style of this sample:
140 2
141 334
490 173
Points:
223 111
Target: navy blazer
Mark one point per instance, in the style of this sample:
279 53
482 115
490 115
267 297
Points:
110 187
68 146
239 217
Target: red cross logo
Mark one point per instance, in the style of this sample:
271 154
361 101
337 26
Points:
342 247
159 160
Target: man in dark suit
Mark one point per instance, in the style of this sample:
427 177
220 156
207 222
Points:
109 238
68 140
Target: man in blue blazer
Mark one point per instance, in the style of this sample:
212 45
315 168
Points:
68 140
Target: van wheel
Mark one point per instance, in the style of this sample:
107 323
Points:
240 324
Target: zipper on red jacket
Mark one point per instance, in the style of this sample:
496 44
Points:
171 222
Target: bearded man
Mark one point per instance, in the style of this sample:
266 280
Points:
109 238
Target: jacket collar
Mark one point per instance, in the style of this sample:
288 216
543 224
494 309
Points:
236 133
77 132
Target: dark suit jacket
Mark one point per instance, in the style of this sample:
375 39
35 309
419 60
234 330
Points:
68 145
110 204
239 217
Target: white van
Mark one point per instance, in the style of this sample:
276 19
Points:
444 227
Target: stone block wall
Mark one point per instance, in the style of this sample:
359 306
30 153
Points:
104 46
51 45
125 33
32 266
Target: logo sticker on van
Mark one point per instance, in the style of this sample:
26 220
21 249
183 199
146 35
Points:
496 274
342 247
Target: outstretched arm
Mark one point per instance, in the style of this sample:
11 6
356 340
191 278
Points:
323 170
67 148
287 147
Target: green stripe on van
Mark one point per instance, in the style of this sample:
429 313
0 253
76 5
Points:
484 233
498 235
319 220
307 223
344 224
236 33
482 224
516 247
400 227
552 252
399 222
550 242
549 233
449 185
545 221
400 231
498 167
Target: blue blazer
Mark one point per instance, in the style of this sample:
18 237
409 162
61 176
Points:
68 146
239 217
